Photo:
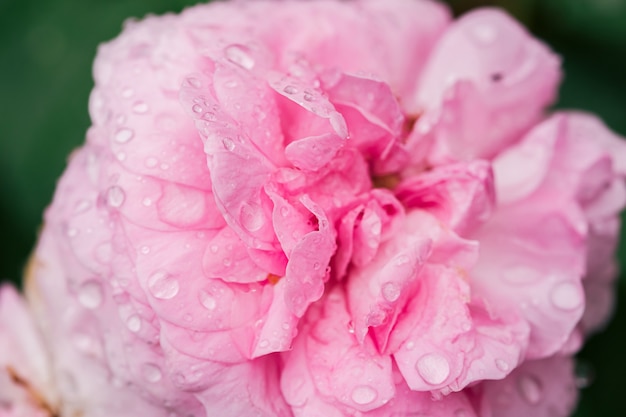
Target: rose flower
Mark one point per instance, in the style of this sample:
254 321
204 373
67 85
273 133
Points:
319 209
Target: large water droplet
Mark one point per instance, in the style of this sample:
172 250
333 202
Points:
123 135
127 92
502 365
207 300
90 294
390 291
115 196
251 217
433 368
228 143
140 107
364 394
239 55
133 323
566 296
151 372
290 89
484 34
530 389
163 286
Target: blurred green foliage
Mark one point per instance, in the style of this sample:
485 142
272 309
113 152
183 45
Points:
46 51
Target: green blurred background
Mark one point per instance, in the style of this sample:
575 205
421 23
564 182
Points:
46 51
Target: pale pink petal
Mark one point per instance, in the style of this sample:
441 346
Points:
543 388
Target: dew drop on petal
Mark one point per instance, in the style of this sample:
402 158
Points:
461 413
433 368
390 291
82 206
151 372
151 162
194 82
402 260
484 35
251 217
123 135
145 250
197 108
566 296
207 300
90 294
140 107
127 92
228 143
239 55
364 394
290 89
115 196
530 389
133 323
502 365
163 286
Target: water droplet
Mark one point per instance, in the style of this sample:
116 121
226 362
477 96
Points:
127 92
164 166
264 343
502 365
433 368
123 135
410 345
90 294
402 260
390 291
530 389
145 250
461 413
140 107
121 156
364 394
194 82
207 300
309 97
286 326
566 296
133 323
71 232
115 196
239 55
484 34
163 286
197 108
251 217
227 262
284 211
151 162
151 372
82 206
147 202
228 143
290 89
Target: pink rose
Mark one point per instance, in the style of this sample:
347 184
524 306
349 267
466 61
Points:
317 209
